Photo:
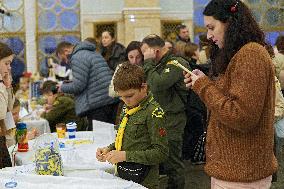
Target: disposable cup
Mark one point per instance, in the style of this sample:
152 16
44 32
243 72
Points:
61 130
71 129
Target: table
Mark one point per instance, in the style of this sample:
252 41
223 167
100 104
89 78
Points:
84 154
76 179
80 166
40 124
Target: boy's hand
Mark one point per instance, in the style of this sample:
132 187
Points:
32 134
58 86
101 154
47 108
116 156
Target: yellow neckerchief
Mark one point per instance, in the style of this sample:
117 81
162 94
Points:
120 132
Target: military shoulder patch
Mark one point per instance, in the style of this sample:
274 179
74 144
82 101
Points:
173 62
158 112
55 103
167 70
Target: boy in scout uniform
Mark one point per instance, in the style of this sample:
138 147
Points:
141 136
165 81
59 108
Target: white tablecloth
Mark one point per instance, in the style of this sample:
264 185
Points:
40 124
76 179
81 168
76 156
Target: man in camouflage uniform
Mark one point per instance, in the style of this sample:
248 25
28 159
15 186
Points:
60 108
166 83
144 138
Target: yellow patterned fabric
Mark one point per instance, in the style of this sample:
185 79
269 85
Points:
120 132
48 162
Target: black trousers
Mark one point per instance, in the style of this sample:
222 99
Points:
5 160
105 113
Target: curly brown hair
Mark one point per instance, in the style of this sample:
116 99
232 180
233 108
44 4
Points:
242 29
128 76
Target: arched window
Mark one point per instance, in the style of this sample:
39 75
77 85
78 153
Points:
57 20
12 32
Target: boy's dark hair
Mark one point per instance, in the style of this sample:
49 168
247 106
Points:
49 86
180 27
280 43
16 103
241 29
61 46
153 40
128 76
5 51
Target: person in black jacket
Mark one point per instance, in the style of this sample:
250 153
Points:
113 52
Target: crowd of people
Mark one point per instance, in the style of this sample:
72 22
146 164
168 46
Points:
142 90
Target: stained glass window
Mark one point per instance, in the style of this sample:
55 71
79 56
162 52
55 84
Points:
198 20
270 15
12 32
58 20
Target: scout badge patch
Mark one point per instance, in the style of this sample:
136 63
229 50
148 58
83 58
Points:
158 112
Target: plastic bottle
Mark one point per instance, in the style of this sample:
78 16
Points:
21 137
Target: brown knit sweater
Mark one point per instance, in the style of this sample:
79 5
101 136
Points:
239 146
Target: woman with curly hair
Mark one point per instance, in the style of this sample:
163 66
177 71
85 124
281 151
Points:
240 97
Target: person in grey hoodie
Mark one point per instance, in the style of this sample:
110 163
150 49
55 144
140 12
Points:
91 78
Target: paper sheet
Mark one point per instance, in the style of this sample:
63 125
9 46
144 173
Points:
9 121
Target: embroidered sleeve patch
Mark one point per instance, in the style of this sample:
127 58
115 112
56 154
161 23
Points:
162 132
158 112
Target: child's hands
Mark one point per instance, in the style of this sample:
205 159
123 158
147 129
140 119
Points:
47 108
116 156
32 134
101 154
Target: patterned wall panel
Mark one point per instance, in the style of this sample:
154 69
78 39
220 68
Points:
169 30
58 20
270 15
198 20
12 32
99 28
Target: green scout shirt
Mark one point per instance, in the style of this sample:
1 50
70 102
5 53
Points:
164 81
145 139
63 111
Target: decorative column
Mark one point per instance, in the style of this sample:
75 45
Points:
141 18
